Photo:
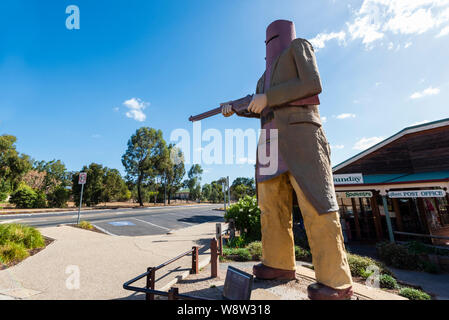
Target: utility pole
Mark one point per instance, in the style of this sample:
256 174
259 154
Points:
165 189
223 189
229 192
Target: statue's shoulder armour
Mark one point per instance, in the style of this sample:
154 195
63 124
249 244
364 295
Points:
300 42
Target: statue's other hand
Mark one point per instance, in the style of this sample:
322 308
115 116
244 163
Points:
258 103
226 109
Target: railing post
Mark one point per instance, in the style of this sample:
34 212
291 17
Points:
173 294
194 260
214 258
220 245
219 237
151 278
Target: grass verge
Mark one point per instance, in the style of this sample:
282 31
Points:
17 242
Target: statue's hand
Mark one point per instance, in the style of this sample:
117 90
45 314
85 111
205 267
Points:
258 103
226 109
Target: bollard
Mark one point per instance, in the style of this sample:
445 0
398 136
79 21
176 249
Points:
173 294
214 258
151 278
194 260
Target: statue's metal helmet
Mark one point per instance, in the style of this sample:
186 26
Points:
280 34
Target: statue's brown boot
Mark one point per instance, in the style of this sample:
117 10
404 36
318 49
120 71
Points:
263 272
318 291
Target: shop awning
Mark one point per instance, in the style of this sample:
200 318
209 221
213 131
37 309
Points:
406 177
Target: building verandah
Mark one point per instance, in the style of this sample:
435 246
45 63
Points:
364 218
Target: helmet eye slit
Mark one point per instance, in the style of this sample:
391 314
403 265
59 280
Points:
273 37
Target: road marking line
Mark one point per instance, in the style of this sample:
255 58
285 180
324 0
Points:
9 221
152 224
103 230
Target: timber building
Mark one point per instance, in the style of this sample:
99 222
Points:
398 188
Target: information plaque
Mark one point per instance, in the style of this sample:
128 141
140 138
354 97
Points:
238 284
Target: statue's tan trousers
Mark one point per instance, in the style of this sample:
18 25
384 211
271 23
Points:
323 232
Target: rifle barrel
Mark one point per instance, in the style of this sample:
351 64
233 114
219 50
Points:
205 115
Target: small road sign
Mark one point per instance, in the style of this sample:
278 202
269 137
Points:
82 178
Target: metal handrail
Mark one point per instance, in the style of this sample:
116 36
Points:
150 274
149 290
421 235
174 259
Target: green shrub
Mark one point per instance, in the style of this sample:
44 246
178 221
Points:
302 254
24 197
414 294
28 237
398 256
412 256
237 254
362 272
255 249
246 215
358 265
12 252
430 267
388 282
85 225
237 242
41 200
59 197
4 190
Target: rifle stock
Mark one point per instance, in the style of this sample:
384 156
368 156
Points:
239 106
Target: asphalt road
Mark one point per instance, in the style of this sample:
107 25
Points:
127 222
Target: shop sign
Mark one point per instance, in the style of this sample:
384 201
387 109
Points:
437 193
356 194
350 178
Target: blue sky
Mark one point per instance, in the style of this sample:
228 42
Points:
65 93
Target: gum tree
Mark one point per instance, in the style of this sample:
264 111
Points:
145 157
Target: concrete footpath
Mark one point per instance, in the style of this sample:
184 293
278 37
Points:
82 264
436 284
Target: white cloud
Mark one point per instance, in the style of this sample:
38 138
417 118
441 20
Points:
365 29
408 44
443 32
365 143
377 20
136 107
345 116
426 92
320 40
337 146
116 109
324 119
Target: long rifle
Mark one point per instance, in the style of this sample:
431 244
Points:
240 107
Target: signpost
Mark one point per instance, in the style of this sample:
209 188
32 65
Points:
229 192
82 181
223 189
